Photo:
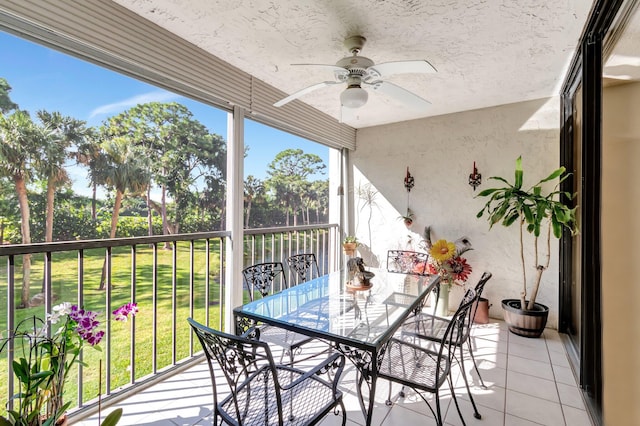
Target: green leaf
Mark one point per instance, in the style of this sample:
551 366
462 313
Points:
510 218
528 215
21 369
536 229
499 214
41 375
501 179
553 175
537 190
486 192
560 213
5 422
113 418
519 173
557 227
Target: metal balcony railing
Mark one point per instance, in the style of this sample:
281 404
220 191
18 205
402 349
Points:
169 277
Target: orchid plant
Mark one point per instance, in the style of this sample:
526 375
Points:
47 358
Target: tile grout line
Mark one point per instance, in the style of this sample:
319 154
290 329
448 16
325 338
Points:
555 380
506 381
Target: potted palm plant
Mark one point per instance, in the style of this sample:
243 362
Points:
541 215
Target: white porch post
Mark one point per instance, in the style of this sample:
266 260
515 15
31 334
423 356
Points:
338 202
234 219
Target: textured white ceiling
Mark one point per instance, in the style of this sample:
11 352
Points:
487 52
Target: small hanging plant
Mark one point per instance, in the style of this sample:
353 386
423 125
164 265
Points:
408 218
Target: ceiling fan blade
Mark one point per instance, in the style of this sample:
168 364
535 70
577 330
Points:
400 94
304 92
400 67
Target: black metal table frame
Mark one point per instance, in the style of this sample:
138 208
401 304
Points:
361 354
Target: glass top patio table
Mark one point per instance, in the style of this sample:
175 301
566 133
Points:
359 321
329 308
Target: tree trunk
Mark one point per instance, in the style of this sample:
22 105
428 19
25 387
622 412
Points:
165 224
94 193
51 194
114 226
48 226
116 212
25 229
540 269
246 219
523 293
149 212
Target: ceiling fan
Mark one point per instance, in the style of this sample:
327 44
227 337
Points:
358 71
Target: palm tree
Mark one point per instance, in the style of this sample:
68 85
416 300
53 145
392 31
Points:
253 187
120 167
58 133
86 153
19 144
6 104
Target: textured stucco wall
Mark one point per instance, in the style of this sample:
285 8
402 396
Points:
440 152
620 254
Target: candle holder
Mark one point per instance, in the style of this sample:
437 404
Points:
408 181
475 178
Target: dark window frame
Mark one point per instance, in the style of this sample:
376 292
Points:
585 73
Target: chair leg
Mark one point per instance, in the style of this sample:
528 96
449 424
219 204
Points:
476 414
455 400
438 411
388 402
475 365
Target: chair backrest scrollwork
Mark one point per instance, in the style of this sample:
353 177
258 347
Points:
262 277
305 267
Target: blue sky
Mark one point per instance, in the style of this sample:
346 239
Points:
42 78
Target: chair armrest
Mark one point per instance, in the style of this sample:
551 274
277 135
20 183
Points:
326 365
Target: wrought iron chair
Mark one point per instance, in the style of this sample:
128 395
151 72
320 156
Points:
261 391
425 369
411 263
305 266
433 328
261 278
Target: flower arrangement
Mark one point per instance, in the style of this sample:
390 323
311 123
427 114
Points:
445 259
47 358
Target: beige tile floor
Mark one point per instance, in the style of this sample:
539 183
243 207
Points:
529 382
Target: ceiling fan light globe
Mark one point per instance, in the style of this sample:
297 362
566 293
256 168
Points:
354 97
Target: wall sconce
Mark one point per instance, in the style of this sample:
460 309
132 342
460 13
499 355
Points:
408 181
475 178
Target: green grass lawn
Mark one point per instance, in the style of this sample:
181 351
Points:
65 288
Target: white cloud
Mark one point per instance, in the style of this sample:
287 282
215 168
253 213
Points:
117 107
